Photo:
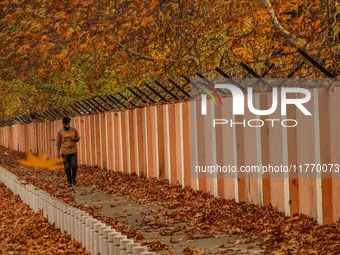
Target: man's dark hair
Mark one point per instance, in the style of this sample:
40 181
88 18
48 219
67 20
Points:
66 120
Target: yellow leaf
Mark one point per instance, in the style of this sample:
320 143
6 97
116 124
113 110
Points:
23 48
293 218
286 49
129 100
40 161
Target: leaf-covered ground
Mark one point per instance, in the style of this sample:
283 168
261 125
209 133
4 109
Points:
24 232
189 212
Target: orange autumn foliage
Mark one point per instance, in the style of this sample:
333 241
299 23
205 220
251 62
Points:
54 53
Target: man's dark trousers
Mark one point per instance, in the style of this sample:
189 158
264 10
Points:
70 166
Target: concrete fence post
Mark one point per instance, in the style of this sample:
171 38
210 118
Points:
101 237
138 250
96 236
68 220
83 228
88 228
78 222
73 223
117 240
129 247
123 246
67 209
111 243
59 216
106 233
91 236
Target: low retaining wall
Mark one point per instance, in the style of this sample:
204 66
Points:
94 235
156 142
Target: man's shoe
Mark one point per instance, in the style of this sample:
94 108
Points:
69 184
74 182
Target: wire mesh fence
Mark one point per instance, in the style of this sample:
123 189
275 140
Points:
178 89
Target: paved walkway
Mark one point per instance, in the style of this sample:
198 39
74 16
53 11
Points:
147 222
143 221
169 219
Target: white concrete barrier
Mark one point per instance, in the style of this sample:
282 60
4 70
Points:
123 246
106 233
80 225
138 250
93 234
129 247
89 226
101 237
117 240
110 238
83 228
96 236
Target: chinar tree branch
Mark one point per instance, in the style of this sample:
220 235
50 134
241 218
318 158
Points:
290 38
148 58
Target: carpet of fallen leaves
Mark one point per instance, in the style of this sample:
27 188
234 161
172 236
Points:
24 232
200 214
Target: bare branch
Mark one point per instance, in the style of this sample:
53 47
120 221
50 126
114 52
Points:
265 4
138 54
148 58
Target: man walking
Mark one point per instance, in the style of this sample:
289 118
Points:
66 144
